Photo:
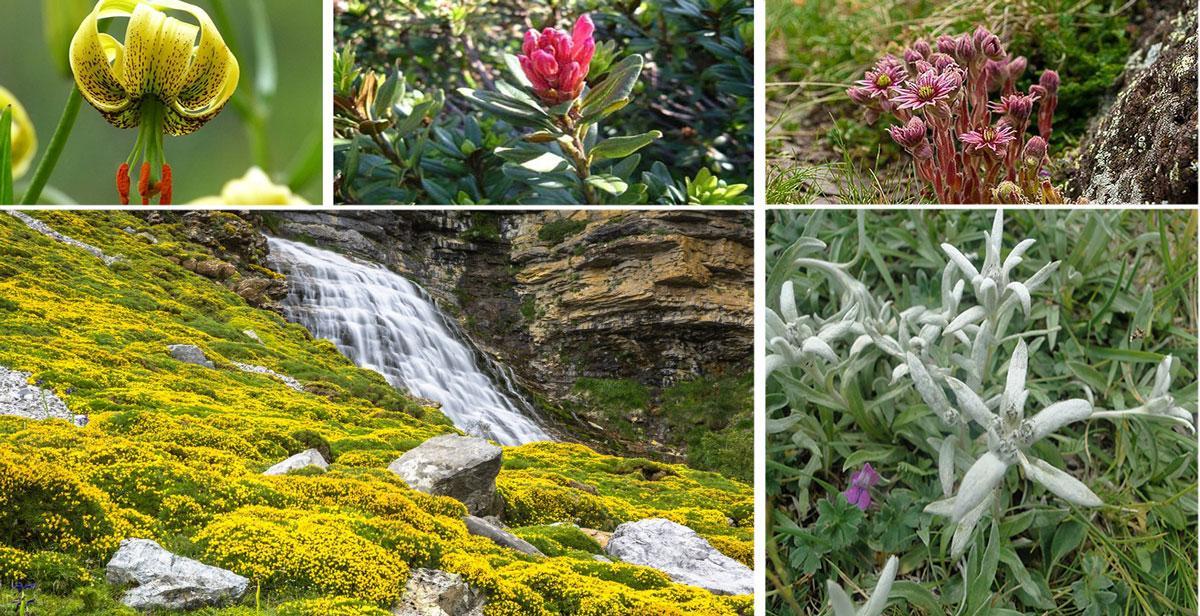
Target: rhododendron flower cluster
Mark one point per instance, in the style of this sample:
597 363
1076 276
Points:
969 148
556 62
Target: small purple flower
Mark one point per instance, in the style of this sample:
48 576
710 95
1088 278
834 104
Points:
995 138
859 492
928 89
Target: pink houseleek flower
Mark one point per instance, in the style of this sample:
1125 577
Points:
928 89
1016 106
882 80
912 136
859 492
995 138
556 63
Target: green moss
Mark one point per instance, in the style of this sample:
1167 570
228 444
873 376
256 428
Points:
556 231
560 540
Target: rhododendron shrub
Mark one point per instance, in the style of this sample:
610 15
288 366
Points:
561 152
963 120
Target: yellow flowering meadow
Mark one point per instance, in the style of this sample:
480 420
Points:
175 452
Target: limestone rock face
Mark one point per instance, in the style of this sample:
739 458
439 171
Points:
656 296
304 459
165 581
1143 149
431 592
19 398
190 354
461 467
682 554
484 528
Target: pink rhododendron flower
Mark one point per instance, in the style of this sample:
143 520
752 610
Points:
556 63
928 89
995 138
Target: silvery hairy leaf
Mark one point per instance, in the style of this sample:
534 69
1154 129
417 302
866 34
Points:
839 600
966 526
883 588
970 403
930 391
1060 483
961 261
946 465
970 316
980 480
1057 415
1015 257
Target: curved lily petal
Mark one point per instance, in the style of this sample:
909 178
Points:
1057 415
1060 483
983 476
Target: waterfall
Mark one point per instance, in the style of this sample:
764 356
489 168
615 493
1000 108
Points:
384 322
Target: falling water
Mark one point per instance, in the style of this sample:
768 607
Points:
384 322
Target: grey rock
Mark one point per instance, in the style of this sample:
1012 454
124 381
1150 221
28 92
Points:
682 554
483 528
19 398
1142 148
431 592
190 354
461 467
287 380
253 335
600 558
165 581
49 232
304 459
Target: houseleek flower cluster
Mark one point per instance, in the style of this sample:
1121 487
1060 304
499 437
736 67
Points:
963 120
168 77
948 353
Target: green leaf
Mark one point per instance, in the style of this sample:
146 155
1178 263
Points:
610 184
1067 537
6 159
917 596
265 73
604 99
620 147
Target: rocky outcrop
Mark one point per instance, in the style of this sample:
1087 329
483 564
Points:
49 232
189 354
1142 149
431 592
304 459
20 399
165 581
285 379
682 554
461 467
484 528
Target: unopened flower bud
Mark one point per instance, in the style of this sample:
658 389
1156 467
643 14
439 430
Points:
922 47
965 49
862 96
912 56
941 61
947 44
1016 67
1008 193
1049 82
556 62
1035 152
910 135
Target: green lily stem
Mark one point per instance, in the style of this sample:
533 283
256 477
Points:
49 160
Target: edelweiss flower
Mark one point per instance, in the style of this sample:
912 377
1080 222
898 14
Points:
168 78
841 604
993 138
1011 435
993 288
793 339
1160 403
928 89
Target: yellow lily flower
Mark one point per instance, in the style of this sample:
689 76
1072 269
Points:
24 138
169 77
255 188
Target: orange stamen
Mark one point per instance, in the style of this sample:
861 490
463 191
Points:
144 184
123 183
165 187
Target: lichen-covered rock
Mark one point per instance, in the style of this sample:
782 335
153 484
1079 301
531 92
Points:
165 581
501 537
461 467
679 552
304 459
1143 148
431 592
190 354
285 379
